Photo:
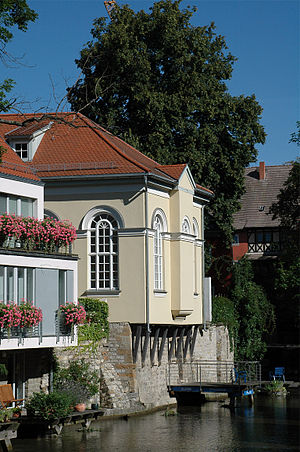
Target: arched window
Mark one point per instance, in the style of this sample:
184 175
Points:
158 252
195 266
104 252
186 226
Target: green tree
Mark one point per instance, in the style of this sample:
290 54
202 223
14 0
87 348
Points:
13 13
287 273
255 313
160 83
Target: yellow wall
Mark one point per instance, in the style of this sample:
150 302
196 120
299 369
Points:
178 298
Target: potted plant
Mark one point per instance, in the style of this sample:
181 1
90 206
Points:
77 381
71 314
16 412
30 316
10 316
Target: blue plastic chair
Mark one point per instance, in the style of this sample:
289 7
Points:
279 373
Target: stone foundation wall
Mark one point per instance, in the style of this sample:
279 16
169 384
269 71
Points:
126 386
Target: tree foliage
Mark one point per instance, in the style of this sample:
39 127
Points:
160 83
255 313
287 273
13 13
224 311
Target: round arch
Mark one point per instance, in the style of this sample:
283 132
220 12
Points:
159 212
86 221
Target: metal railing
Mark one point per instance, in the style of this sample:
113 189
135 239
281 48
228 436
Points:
200 372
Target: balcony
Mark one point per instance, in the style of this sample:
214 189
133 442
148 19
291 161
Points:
48 236
266 248
33 336
267 242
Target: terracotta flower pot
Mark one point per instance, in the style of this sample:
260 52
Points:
80 407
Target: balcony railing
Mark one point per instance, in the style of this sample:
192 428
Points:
12 244
273 247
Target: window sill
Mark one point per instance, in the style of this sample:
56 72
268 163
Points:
101 292
160 293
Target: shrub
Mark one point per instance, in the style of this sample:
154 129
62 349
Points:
77 373
276 387
49 406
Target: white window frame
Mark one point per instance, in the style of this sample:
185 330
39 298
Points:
158 252
104 261
19 199
15 285
20 152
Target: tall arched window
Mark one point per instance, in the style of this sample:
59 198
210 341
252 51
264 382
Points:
104 252
195 266
158 252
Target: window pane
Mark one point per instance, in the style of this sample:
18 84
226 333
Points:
259 237
12 205
3 207
10 284
21 285
62 287
30 294
26 207
268 236
1 283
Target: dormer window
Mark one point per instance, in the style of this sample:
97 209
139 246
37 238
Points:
22 150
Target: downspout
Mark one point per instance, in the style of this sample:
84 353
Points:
203 265
147 256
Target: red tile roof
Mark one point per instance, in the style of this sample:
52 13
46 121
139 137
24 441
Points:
76 146
12 164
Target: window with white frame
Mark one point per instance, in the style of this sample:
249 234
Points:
22 150
16 284
17 205
158 252
195 266
104 272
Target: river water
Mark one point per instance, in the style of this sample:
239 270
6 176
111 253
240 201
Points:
272 424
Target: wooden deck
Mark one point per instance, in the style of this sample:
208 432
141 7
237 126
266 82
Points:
35 426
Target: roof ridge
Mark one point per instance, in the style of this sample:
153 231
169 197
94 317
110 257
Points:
174 164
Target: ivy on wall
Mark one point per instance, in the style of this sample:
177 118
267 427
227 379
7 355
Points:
96 326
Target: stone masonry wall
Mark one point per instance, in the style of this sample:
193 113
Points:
130 387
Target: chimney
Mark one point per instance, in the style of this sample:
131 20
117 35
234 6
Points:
262 171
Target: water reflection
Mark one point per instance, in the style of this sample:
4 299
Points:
272 424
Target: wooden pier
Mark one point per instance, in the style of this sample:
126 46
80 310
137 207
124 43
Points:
35 426
8 431
189 382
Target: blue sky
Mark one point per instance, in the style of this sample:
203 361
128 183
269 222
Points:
262 34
